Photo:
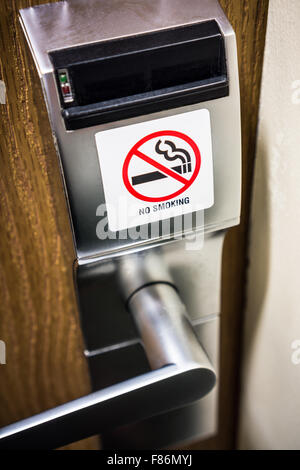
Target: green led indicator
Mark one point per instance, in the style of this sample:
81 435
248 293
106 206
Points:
63 78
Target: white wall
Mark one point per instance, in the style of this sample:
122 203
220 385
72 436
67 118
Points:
270 411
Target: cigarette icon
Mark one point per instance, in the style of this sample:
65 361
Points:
157 175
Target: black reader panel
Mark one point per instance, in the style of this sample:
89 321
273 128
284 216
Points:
138 75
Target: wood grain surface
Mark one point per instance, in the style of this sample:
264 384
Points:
38 312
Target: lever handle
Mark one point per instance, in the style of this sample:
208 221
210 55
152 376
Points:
182 375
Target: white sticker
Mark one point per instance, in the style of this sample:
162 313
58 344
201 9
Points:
156 169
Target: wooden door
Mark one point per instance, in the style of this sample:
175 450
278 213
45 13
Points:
38 313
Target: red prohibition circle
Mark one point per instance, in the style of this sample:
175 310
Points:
131 154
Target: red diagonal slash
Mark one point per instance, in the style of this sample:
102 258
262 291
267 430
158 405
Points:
160 167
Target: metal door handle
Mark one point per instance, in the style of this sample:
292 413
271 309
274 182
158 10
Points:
182 374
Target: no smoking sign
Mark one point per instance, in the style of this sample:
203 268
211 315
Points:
156 169
170 155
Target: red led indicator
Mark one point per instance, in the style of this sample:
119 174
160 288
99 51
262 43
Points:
66 89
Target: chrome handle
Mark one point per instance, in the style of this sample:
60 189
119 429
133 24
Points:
182 374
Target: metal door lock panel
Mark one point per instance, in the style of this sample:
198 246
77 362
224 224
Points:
145 116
